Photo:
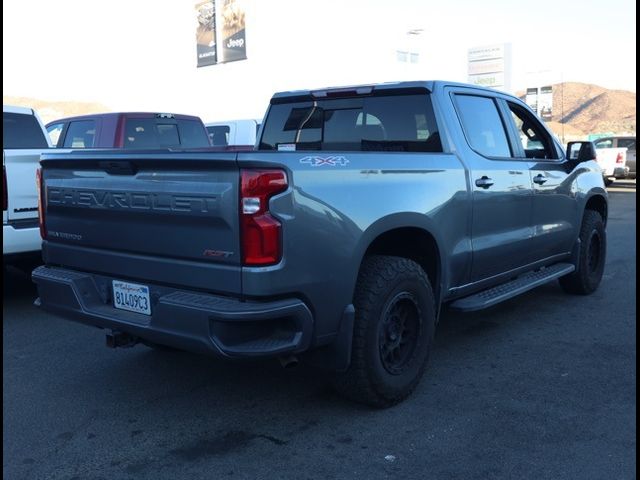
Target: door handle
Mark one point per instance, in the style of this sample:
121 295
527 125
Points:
484 182
539 179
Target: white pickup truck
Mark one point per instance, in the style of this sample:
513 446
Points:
616 157
23 139
234 135
612 159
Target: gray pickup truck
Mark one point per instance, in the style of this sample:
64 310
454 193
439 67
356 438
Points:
360 214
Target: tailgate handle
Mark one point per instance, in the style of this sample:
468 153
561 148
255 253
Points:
118 168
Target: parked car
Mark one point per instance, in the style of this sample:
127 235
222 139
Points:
138 130
363 211
234 135
609 148
23 140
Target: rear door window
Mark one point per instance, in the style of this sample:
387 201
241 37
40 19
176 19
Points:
80 134
22 131
483 125
399 123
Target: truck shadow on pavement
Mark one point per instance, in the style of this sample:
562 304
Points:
144 376
16 282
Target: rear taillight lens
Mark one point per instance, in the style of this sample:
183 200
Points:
260 232
41 205
5 195
620 158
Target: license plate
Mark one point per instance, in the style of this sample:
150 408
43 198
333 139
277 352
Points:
131 297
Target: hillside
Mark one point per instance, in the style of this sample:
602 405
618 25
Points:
585 109
50 110
579 109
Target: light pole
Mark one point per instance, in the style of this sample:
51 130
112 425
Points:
562 105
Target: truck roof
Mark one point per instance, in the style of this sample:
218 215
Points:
16 109
364 89
122 114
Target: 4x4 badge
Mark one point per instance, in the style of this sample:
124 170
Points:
331 161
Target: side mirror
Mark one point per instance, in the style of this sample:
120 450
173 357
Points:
579 152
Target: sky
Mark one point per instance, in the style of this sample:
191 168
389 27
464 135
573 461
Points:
140 55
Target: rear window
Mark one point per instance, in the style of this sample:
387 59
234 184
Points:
22 131
396 123
219 135
192 134
162 133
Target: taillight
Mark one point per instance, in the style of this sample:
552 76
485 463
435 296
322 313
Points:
5 195
41 200
260 232
620 158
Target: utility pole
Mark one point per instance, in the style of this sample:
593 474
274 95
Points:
562 105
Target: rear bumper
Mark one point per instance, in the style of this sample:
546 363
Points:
621 172
20 240
192 321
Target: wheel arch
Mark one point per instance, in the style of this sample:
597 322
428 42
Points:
409 236
598 203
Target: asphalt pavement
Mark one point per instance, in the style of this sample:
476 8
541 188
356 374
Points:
540 387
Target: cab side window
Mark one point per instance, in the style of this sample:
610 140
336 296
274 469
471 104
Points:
536 141
483 125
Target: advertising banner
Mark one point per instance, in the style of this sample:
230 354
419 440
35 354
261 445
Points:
206 33
490 66
234 43
220 31
545 103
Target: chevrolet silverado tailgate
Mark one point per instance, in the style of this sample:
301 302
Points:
163 217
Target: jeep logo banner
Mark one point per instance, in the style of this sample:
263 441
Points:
234 45
220 32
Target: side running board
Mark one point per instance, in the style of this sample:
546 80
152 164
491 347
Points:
523 283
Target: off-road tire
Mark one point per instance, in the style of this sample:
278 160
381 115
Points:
393 298
593 249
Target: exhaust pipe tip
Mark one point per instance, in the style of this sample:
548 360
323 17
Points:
288 361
